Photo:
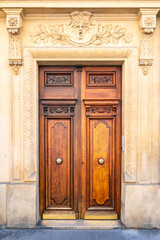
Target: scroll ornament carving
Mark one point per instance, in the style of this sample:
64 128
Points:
80 31
15 58
101 109
14 26
148 25
59 110
146 48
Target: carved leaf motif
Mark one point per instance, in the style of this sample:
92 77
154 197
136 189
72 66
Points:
101 79
146 48
58 109
15 46
101 109
59 79
40 34
80 31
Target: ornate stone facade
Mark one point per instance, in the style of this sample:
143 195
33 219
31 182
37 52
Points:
87 36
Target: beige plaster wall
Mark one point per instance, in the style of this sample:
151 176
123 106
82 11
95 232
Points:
19 171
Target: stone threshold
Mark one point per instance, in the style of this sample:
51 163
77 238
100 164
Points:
80 224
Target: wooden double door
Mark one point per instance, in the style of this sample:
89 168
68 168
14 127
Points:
80 142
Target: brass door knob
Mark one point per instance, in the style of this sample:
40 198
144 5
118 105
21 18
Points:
58 161
101 161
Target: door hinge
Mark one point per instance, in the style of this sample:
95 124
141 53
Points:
123 144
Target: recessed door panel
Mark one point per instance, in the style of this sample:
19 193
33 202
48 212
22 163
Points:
59 174
100 163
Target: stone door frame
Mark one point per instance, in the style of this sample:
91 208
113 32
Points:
33 57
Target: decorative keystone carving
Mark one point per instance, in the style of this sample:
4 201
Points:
148 25
81 30
14 26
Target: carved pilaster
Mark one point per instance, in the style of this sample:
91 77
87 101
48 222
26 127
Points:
148 25
14 26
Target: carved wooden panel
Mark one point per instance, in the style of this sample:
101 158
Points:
58 110
105 110
58 79
59 174
100 154
101 109
57 82
101 79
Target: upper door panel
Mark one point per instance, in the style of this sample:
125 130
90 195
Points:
58 83
102 82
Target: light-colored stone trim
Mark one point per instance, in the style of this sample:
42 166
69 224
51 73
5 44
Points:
81 4
14 24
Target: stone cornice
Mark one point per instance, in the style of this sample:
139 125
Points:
80 4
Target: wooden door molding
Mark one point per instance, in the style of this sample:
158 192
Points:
102 145
56 159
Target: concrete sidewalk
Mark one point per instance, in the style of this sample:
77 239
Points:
47 234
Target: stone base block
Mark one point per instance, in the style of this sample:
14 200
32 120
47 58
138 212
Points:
21 206
2 204
142 206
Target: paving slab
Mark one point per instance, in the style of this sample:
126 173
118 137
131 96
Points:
134 234
155 235
42 234
48 234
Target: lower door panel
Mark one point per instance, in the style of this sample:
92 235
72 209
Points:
100 168
59 192
102 159
56 161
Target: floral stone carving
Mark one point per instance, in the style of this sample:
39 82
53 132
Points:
14 27
80 31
